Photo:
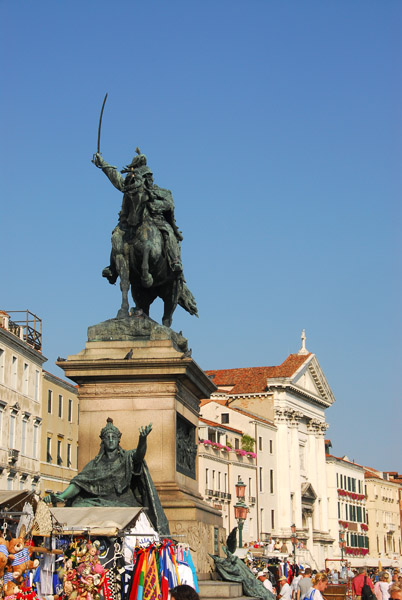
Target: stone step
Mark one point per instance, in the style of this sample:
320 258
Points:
219 590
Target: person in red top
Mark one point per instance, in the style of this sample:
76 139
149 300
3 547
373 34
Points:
358 583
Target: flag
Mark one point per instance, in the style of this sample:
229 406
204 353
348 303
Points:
151 581
142 576
136 575
163 578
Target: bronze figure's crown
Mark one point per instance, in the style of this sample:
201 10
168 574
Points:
110 428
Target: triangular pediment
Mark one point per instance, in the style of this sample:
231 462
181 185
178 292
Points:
310 380
307 493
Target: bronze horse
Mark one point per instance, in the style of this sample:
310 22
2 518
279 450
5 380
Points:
139 249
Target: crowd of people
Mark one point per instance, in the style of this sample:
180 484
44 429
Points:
306 584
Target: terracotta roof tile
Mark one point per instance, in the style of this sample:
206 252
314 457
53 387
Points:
370 474
253 380
221 401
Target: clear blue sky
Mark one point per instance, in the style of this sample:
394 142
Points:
276 124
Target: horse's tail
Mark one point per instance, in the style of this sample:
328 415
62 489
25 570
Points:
187 301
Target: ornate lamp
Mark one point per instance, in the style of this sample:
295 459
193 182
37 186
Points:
240 509
240 489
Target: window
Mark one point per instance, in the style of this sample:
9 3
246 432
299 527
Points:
48 450
206 478
260 444
24 434
337 480
271 444
225 418
70 410
59 451
36 393
250 489
14 368
26 379
49 401
272 519
1 423
261 479
339 510
1 365
226 483
11 439
271 481
35 440
60 406
237 446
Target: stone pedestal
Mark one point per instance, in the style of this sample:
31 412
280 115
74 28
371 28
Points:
140 380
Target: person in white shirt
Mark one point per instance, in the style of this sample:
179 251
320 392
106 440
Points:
265 581
286 591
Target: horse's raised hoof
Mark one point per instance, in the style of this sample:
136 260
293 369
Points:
147 280
110 275
122 313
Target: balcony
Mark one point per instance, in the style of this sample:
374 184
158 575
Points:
13 455
391 527
208 493
251 499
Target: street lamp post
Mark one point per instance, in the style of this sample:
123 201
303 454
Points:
341 539
294 542
240 509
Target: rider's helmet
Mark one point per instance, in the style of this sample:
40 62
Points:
140 160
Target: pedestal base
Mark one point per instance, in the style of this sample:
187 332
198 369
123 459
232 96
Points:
138 381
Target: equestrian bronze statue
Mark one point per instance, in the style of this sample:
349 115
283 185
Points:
146 253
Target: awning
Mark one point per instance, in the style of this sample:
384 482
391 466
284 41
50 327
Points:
98 520
14 500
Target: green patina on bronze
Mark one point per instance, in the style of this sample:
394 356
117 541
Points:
116 477
232 568
146 252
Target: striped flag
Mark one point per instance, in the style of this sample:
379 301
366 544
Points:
151 582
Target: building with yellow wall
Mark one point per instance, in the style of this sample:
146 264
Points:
59 441
382 506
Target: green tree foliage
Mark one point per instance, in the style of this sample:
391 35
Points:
247 443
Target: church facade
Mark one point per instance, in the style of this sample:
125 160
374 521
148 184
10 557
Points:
293 397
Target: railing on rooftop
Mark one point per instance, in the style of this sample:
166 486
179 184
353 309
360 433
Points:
29 324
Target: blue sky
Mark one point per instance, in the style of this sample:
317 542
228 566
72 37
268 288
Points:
276 125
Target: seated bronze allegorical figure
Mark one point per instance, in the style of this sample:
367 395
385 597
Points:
116 477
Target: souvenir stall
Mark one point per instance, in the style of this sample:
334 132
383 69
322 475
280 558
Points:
110 553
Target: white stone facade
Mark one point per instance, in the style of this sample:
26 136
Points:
20 409
347 510
292 398
222 468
